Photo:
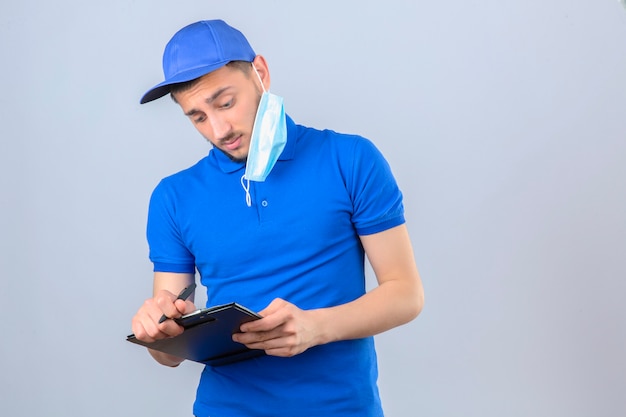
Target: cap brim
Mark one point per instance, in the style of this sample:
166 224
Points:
163 88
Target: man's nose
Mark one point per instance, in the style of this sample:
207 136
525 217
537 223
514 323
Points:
220 126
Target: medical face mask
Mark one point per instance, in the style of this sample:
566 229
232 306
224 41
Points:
269 136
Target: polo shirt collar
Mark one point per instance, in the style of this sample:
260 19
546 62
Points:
227 165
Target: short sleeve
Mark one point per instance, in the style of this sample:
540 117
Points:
168 251
376 197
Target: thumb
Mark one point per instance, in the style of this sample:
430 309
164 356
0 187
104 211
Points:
274 306
184 306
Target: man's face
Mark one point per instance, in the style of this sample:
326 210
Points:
222 105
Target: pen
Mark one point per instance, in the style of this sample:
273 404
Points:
184 294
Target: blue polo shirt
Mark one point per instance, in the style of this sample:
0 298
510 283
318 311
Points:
299 240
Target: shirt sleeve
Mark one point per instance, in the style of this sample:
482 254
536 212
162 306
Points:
376 197
168 251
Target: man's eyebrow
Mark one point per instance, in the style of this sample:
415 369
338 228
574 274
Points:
209 100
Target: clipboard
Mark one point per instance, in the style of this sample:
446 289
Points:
207 338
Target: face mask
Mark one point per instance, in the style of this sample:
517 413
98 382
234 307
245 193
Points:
269 136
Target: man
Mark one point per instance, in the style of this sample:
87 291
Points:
282 231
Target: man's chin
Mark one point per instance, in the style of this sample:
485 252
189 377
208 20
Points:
240 160
234 158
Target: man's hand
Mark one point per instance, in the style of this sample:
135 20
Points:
146 325
284 330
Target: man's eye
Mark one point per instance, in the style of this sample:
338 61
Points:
227 104
199 119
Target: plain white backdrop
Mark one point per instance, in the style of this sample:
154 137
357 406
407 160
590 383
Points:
503 122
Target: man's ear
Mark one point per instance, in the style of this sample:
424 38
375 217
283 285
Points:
261 67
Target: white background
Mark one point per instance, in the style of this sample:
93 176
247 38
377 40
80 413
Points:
503 121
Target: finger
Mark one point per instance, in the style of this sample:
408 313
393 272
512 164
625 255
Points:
165 302
256 340
184 307
281 346
253 338
274 306
167 328
146 326
170 328
285 351
145 329
275 315
266 324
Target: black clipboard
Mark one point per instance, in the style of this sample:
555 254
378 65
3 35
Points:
207 337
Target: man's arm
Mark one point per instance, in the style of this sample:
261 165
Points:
399 296
286 330
145 324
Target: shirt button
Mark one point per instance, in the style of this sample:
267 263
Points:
264 203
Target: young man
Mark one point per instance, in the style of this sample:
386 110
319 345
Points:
278 217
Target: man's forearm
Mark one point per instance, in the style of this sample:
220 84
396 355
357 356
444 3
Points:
165 358
383 308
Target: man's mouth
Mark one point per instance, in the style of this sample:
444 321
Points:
232 143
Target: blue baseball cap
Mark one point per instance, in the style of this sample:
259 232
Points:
198 49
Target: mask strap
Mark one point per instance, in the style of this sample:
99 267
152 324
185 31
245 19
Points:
257 74
246 188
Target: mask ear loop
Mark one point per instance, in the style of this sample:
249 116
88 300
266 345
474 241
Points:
257 74
246 188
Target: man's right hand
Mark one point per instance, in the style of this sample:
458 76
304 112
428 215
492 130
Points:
145 323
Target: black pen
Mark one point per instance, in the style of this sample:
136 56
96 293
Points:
184 294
